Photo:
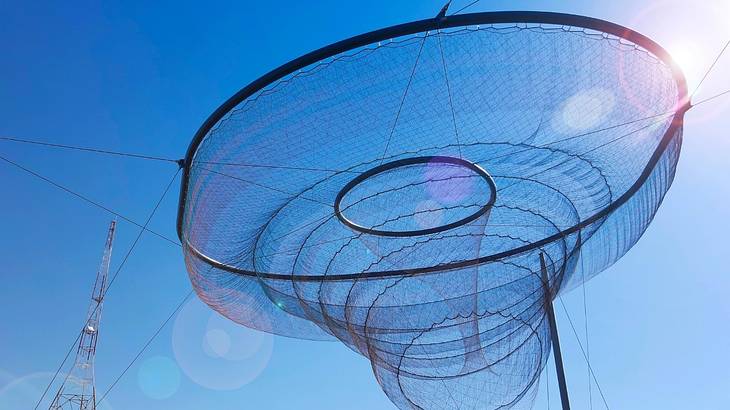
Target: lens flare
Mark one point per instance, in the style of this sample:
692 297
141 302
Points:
216 353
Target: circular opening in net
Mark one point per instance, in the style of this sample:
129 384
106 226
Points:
416 196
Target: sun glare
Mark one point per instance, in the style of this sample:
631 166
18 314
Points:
693 44
690 58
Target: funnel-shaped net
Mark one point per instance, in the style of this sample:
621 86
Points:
399 196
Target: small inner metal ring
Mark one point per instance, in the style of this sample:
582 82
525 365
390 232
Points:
411 161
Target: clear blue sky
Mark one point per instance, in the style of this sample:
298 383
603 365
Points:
142 76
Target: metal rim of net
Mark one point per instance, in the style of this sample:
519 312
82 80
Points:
461 20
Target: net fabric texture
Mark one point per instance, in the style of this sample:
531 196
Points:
571 128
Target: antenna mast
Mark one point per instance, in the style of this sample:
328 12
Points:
78 391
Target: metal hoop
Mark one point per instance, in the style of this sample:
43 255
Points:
412 161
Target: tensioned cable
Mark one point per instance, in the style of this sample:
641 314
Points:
146 345
448 89
87 149
285 167
575 333
85 198
403 99
711 98
144 228
156 158
246 181
116 273
709 70
295 168
288 167
465 7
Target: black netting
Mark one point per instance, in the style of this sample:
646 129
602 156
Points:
528 141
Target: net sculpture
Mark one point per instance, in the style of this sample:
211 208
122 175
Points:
421 192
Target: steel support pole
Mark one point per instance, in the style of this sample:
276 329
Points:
554 335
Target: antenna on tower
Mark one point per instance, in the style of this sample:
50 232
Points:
78 391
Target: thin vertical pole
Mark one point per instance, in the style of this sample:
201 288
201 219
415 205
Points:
554 335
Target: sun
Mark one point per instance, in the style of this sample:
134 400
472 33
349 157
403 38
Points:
691 59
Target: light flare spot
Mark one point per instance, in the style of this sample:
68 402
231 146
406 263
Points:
586 110
217 343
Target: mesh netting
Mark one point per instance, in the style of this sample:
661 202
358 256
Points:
399 197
